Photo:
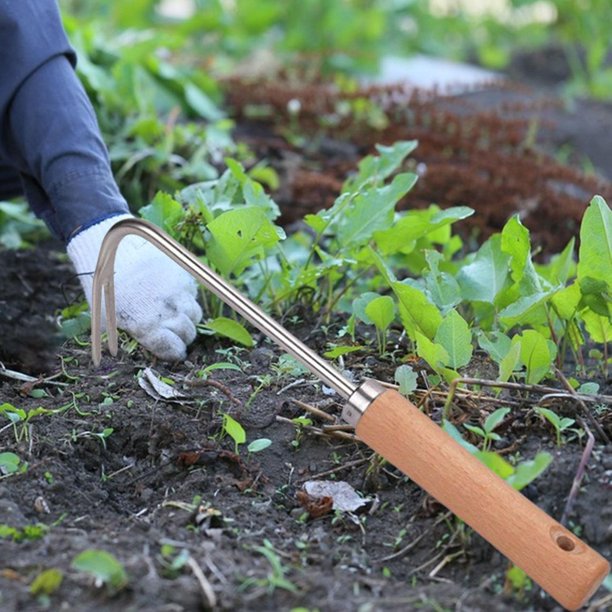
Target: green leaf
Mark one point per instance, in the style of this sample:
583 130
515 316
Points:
258 445
372 211
598 327
201 103
515 241
453 432
416 224
495 343
339 351
234 430
455 336
9 463
434 354
510 362
381 311
527 471
495 463
522 308
47 582
230 329
164 211
495 418
536 355
483 278
359 306
595 254
552 417
566 301
417 313
406 378
442 286
103 566
239 236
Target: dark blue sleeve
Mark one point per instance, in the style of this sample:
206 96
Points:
48 129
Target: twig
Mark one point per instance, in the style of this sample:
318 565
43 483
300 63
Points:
585 411
343 435
196 382
344 466
586 455
313 410
210 599
483 382
291 385
601 604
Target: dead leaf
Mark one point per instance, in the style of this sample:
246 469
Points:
157 388
315 506
343 496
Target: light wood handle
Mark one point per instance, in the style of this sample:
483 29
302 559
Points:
563 565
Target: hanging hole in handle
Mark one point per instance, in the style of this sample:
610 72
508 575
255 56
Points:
565 543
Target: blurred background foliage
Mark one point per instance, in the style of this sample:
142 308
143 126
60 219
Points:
352 35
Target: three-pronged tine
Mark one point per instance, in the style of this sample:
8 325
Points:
103 279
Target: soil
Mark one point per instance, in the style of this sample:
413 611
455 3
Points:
166 482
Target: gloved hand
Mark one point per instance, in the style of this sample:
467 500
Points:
155 298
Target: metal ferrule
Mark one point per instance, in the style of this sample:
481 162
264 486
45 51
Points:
360 401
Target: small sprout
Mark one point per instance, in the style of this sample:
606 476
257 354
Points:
258 445
486 431
103 567
406 378
560 424
47 582
381 311
234 430
10 463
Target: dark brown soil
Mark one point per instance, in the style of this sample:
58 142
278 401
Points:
133 492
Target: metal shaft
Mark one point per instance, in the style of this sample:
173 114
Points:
103 278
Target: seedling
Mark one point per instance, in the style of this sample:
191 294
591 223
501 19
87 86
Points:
486 431
560 424
10 463
47 582
232 428
103 567
381 311
276 576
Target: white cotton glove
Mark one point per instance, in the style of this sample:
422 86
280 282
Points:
155 298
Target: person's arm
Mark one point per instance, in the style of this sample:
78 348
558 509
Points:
49 133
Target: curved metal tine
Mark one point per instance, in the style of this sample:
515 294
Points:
214 283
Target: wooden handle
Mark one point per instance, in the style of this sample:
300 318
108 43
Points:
563 565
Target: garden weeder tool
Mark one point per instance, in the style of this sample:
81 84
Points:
562 564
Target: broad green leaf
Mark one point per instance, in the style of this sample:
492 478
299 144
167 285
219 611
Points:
515 241
381 311
234 430
520 311
561 266
442 286
416 224
434 354
527 471
597 295
536 355
9 463
510 362
230 329
598 327
372 211
103 566
483 278
238 236
164 211
379 167
455 337
417 313
496 344
406 378
359 306
495 418
566 301
595 254
496 463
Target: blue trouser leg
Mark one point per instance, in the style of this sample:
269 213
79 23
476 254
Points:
48 129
